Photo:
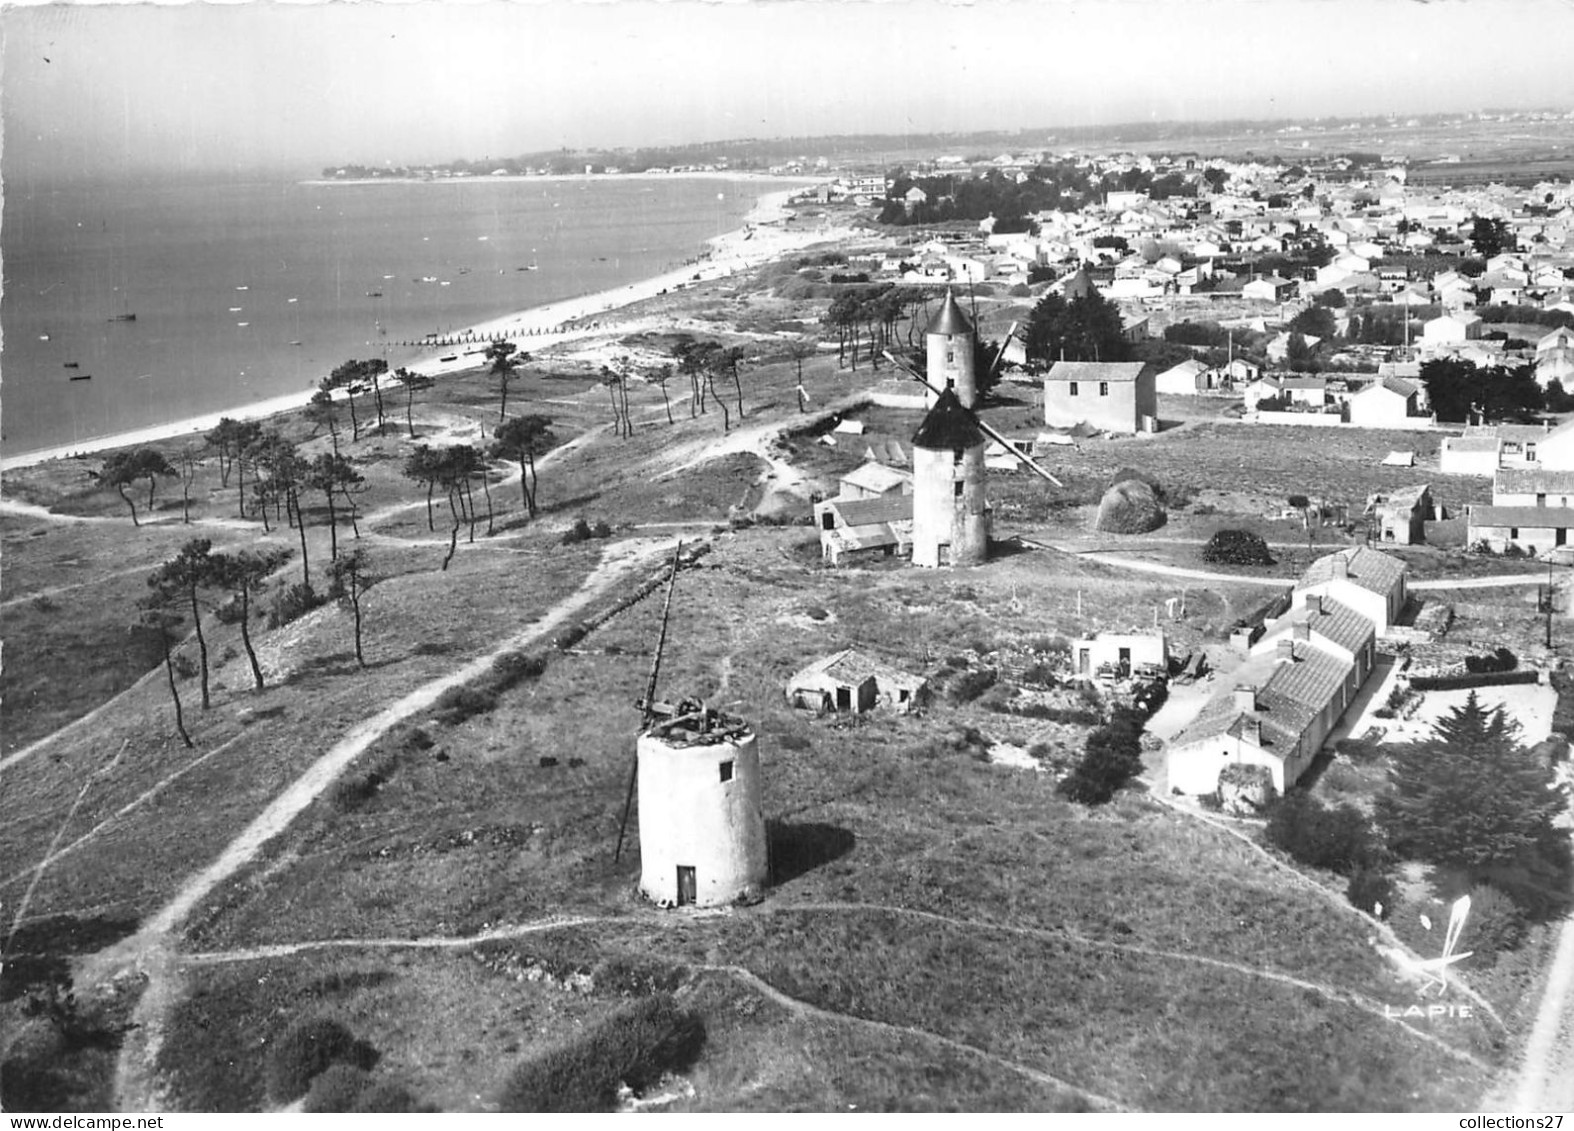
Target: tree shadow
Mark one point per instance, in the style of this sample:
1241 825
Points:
796 849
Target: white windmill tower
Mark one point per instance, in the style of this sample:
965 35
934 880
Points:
701 820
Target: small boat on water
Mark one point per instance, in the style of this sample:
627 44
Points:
243 323
72 365
236 309
292 300
243 288
122 317
450 357
374 294
445 283
295 343
43 337
81 377
385 278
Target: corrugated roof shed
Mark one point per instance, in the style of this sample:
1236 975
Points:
877 477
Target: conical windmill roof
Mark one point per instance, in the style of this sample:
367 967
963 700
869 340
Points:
948 427
949 319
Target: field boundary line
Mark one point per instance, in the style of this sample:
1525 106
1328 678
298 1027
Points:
1333 993
804 1008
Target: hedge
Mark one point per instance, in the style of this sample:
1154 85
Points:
633 1045
1472 679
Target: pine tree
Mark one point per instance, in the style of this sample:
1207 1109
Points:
1471 797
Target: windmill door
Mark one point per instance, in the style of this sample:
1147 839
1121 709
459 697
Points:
686 885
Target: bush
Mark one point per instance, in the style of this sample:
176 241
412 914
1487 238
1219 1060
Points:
633 1045
579 532
1339 839
457 704
1148 697
513 668
1110 758
970 685
1498 660
1040 675
1236 547
1130 507
1369 888
293 603
1496 924
1467 680
336 1089
307 1049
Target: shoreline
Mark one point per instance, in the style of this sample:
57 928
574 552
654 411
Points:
761 239
804 179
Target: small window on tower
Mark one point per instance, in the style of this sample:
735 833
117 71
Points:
1103 388
1073 390
950 356
956 489
726 771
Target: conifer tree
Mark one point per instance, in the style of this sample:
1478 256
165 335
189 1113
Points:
1471 797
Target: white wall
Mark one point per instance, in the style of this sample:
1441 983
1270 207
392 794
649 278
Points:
688 816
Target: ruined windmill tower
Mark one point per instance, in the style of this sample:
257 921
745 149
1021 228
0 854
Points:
701 820
951 521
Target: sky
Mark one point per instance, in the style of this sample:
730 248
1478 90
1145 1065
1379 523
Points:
95 90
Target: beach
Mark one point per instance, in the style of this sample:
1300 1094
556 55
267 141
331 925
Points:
764 236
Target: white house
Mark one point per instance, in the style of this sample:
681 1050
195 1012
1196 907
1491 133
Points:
1451 329
1389 402
1185 379
1369 581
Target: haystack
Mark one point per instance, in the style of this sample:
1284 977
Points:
1130 507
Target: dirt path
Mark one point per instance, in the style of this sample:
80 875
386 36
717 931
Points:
428 942
1163 568
31 510
1544 1079
150 952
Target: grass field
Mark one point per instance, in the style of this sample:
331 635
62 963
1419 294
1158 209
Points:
942 932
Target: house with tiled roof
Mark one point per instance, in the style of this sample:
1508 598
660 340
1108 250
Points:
854 681
1388 402
1277 715
1533 486
1533 530
1369 581
1300 679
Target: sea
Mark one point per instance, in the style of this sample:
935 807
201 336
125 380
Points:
246 292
